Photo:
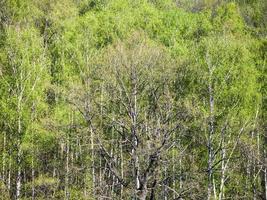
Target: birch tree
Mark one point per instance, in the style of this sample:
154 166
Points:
23 79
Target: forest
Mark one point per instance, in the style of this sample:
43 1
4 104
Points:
133 99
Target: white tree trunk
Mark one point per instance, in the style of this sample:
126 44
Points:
210 138
18 183
4 160
223 167
93 161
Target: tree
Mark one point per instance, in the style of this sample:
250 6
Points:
24 75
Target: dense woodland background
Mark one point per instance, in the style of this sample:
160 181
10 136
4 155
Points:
143 99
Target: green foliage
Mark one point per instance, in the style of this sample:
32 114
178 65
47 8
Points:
68 71
21 11
228 19
4 191
44 186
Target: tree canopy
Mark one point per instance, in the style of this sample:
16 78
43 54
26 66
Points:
121 99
